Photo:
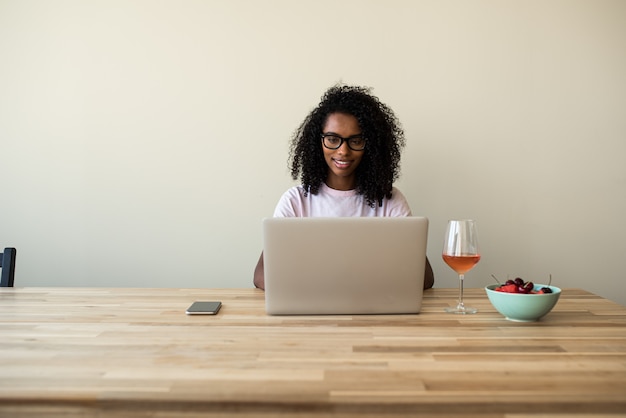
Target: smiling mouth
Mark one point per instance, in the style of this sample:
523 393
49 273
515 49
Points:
342 164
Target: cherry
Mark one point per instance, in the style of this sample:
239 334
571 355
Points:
528 287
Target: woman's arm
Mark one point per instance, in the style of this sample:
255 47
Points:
259 274
429 276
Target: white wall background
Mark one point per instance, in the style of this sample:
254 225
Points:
142 141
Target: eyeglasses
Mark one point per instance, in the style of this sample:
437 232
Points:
334 141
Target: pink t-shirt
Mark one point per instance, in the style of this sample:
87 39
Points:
337 203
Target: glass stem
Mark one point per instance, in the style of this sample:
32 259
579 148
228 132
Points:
461 306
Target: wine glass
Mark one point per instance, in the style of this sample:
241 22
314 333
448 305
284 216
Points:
460 252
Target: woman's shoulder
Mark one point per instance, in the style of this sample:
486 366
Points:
295 192
397 205
395 192
396 195
291 203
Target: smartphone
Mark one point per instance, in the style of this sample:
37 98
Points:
204 308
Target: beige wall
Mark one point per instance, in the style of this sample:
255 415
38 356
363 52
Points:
142 142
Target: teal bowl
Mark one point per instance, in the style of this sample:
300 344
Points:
523 307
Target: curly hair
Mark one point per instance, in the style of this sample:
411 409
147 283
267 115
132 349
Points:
380 165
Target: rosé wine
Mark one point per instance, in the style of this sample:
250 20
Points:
461 263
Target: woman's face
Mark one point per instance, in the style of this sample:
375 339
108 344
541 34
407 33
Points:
343 161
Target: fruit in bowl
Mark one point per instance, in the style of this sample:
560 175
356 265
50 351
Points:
523 302
520 286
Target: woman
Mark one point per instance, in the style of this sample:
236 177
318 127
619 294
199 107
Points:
346 153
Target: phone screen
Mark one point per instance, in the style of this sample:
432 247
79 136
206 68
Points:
204 308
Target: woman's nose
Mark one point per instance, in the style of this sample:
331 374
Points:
344 148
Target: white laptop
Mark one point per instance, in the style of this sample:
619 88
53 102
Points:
324 266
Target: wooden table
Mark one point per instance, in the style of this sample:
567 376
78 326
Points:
68 352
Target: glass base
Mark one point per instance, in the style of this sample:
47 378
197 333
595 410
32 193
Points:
461 310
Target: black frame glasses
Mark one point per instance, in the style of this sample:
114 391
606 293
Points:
348 140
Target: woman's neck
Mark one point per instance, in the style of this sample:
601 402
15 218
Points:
341 183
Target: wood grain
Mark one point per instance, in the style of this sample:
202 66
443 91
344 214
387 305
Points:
133 352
